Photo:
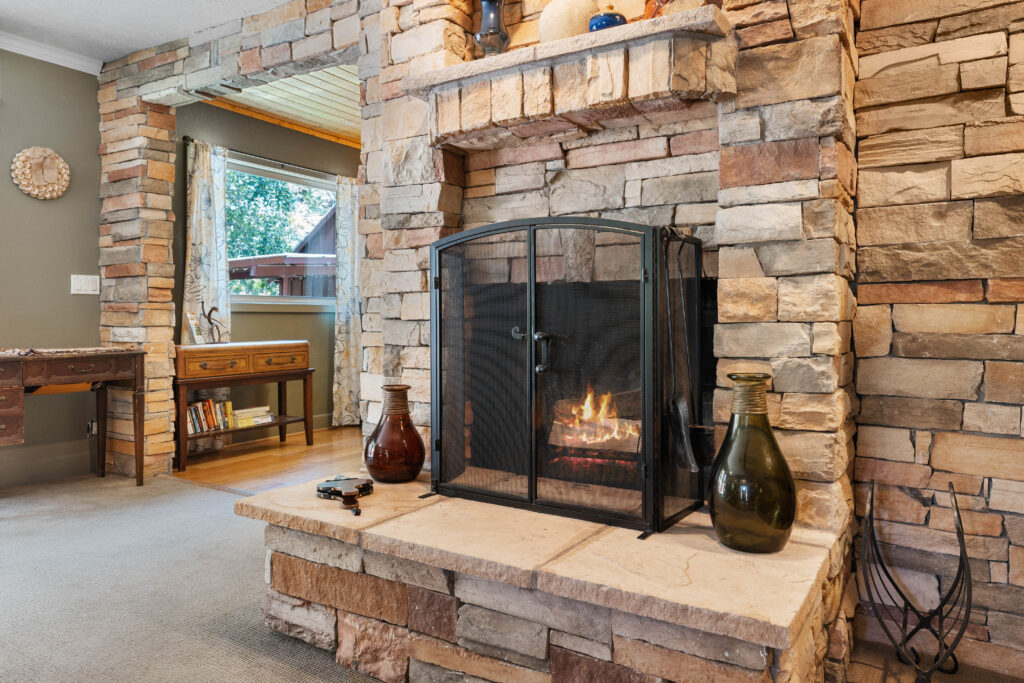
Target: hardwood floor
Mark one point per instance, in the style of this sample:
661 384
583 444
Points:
256 466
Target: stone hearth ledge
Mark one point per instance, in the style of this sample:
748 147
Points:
708 20
683 576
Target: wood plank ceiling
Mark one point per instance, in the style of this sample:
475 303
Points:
323 103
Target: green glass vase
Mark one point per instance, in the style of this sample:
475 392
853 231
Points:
752 493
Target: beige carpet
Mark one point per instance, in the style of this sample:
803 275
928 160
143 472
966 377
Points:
103 581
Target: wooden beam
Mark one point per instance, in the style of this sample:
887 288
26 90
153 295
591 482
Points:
244 111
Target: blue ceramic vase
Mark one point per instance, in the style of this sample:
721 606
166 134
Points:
606 18
492 37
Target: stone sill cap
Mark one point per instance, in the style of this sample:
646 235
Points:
683 575
708 20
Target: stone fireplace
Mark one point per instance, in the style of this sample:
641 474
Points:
667 122
662 122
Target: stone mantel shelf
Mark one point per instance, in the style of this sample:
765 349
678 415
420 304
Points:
683 575
707 20
648 72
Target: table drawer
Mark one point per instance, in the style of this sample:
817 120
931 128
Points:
12 399
69 370
10 373
214 366
12 428
280 360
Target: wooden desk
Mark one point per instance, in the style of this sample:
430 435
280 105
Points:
211 366
27 372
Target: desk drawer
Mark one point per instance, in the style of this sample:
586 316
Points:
69 370
12 399
12 428
280 360
10 373
214 366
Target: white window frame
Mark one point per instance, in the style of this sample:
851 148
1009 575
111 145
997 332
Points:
321 180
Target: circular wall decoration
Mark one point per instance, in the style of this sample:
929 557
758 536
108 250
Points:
40 173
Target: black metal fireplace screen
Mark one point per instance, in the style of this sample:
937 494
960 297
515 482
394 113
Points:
567 369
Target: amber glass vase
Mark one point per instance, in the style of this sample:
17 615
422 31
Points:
753 495
394 452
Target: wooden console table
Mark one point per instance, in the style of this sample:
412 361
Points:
43 371
212 366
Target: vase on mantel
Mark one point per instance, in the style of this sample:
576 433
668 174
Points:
564 18
752 494
492 37
394 452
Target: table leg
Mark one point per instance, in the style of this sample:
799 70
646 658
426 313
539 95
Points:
181 426
139 406
282 409
101 431
307 406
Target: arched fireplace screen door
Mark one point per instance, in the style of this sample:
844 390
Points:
565 369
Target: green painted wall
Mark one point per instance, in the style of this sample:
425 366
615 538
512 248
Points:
318 328
41 244
245 134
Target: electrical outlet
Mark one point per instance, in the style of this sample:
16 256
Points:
85 284
92 428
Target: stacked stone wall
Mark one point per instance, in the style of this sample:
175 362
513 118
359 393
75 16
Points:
941 283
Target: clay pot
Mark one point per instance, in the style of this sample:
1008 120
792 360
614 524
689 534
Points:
394 452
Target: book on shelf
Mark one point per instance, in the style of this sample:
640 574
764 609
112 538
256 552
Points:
249 412
209 416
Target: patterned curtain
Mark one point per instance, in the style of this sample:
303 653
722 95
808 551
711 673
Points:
207 287
347 353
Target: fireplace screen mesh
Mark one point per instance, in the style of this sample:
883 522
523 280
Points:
484 364
588 396
563 376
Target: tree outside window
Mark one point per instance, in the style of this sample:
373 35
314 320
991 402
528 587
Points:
280 236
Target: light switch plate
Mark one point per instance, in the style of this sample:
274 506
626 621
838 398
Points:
85 284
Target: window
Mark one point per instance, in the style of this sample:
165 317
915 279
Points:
280 229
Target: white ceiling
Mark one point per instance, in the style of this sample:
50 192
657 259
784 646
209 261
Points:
99 31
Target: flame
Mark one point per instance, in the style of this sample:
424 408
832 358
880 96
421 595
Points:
590 425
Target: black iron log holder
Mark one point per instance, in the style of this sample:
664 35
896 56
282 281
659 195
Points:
900 619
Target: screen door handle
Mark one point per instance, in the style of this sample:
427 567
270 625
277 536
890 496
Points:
518 334
545 351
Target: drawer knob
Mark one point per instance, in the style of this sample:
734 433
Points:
233 363
81 370
204 365
3 428
3 370
3 399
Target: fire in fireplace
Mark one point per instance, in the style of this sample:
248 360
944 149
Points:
567 369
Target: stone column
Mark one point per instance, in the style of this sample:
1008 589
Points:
137 157
419 190
786 239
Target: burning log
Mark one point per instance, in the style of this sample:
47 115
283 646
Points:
592 437
593 424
